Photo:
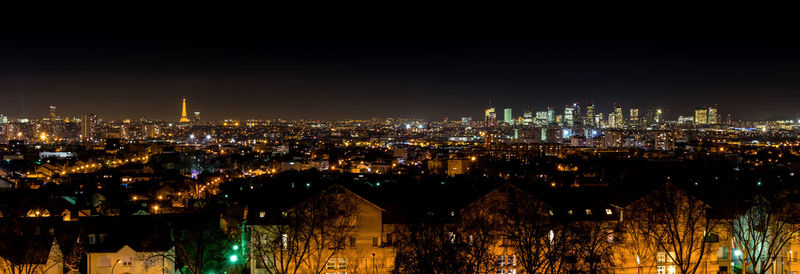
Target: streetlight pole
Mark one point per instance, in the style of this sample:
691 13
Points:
115 265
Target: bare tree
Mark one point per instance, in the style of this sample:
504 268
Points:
637 243
535 237
304 238
481 232
594 244
28 254
427 247
762 232
201 245
675 223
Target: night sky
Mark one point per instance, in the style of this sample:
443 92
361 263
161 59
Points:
317 70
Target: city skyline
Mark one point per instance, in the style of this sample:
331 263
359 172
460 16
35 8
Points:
365 74
505 113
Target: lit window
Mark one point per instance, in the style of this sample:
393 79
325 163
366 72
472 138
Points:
262 214
661 257
284 241
588 212
608 211
127 261
342 263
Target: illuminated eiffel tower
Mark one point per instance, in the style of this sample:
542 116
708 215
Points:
184 119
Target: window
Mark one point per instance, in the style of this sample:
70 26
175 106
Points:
389 239
608 211
723 253
661 269
342 263
513 260
284 241
352 242
127 261
262 214
102 237
331 264
374 241
661 257
501 271
501 260
92 239
588 211
452 237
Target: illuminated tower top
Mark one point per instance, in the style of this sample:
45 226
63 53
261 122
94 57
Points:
184 119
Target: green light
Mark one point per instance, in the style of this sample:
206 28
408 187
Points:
759 183
308 185
378 184
235 247
442 182
233 258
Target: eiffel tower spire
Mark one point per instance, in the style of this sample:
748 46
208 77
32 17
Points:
184 119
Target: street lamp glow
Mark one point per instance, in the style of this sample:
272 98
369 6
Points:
234 258
737 252
191 136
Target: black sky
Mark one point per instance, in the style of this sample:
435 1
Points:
333 69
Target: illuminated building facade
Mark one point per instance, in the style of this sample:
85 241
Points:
634 116
589 120
508 117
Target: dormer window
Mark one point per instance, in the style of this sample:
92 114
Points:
608 211
262 214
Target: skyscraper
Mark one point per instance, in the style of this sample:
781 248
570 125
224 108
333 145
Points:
615 119
527 116
701 116
184 119
713 117
590 113
88 126
507 116
634 116
706 116
541 118
569 117
490 116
